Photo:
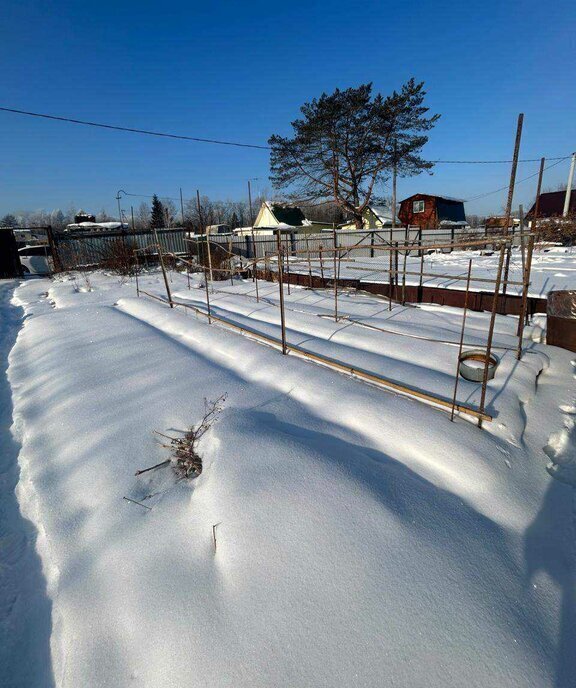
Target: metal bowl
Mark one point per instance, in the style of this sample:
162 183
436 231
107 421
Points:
475 373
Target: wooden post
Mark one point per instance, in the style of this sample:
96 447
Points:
207 233
230 254
254 259
135 251
522 239
523 310
161 258
321 265
404 273
287 262
390 275
524 303
207 295
182 207
420 290
336 254
255 267
394 170
309 263
538 190
396 250
461 339
281 287
511 195
491 330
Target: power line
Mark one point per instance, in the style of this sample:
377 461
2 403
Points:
133 130
503 188
219 142
487 162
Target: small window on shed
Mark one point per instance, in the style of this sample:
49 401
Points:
417 206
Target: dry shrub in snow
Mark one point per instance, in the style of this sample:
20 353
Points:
185 449
117 256
557 229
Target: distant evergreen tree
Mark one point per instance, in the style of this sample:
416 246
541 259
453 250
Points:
9 221
234 222
157 216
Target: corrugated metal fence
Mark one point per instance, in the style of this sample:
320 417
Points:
85 250
89 249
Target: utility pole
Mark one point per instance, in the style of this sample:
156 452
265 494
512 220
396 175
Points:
250 204
119 211
182 206
569 186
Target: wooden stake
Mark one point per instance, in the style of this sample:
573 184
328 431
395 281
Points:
404 274
309 263
461 340
281 287
390 276
511 195
230 260
523 306
321 265
335 277
522 242
287 262
161 257
207 295
491 330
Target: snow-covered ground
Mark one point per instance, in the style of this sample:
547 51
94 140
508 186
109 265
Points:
553 268
363 539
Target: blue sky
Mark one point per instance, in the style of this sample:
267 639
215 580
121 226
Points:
240 71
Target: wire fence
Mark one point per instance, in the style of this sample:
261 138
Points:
362 241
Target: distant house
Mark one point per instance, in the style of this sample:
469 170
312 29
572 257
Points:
499 222
92 227
428 212
82 216
218 229
373 217
286 217
552 204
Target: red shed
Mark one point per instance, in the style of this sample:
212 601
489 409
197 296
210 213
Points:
427 212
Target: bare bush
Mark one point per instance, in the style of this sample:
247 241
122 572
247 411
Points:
188 462
557 229
117 256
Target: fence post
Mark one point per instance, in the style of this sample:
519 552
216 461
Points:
161 257
491 329
281 286
57 262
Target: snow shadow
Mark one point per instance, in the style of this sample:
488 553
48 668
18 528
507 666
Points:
25 608
459 533
550 547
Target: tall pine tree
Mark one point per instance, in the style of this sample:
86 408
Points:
347 143
157 218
